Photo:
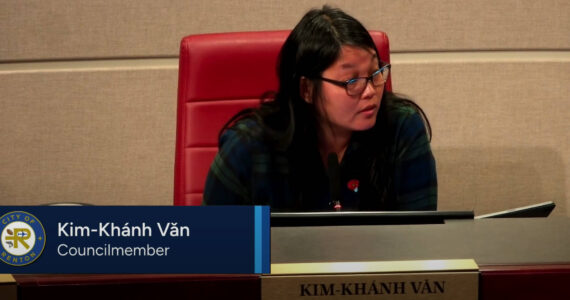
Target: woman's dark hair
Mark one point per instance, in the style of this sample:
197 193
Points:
289 122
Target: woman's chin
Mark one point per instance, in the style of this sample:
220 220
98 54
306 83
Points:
365 124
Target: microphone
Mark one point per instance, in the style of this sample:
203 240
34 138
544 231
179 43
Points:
333 170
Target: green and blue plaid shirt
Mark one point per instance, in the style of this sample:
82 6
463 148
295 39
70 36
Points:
247 170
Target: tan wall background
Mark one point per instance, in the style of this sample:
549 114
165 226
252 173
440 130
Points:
88 93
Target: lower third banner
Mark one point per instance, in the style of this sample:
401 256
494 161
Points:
135 239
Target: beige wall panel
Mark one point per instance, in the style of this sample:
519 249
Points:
104 137
501 133
64 29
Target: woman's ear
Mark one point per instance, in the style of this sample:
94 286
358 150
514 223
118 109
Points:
306 89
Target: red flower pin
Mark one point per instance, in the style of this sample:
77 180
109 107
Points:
353 185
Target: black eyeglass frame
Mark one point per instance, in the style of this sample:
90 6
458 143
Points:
370 78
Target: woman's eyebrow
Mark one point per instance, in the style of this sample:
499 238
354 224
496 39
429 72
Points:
348 66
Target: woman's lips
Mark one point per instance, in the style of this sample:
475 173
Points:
368 108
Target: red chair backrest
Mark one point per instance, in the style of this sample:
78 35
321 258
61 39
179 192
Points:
219 75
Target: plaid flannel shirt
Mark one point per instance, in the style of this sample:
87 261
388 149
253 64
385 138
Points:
247 171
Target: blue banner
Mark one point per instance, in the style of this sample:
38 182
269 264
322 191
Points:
135 239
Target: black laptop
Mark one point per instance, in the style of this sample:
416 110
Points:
540 210
365 218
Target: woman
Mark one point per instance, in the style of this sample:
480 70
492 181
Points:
331 109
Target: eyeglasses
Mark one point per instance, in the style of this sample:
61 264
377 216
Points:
356 86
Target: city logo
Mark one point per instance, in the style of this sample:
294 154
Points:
22 237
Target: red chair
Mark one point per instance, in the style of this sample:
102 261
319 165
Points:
220 74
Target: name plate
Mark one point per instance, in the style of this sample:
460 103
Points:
428 279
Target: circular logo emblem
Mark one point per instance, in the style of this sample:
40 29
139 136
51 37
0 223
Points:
22 237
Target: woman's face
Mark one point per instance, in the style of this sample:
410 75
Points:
338 110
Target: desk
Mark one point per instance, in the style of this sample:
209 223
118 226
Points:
518 259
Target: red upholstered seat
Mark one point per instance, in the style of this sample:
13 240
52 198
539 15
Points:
220 74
